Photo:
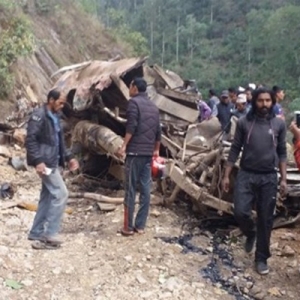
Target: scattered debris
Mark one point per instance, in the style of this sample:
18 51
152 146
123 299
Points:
4 151
7 190
18 163
288 251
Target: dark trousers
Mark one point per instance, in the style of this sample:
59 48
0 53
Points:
137 170
259 189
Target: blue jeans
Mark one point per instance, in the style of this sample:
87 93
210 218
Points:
137 169
52 203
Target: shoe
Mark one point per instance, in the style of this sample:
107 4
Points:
249 244
52 240
262 267
126 232
39 245
34 238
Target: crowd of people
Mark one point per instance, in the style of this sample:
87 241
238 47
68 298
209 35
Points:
260 135
234 102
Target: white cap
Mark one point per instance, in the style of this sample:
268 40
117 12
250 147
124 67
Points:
241 98
252 86
241 89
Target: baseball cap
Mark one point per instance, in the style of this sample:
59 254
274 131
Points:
241 98
225 94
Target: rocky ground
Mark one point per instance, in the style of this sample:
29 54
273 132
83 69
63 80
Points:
173 260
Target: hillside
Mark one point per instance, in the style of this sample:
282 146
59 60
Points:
39 39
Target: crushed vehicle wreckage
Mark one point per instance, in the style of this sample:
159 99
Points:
94 120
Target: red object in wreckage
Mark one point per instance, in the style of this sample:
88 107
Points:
158 167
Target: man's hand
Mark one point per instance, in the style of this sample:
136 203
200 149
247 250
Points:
40 169
155 153
121 151
283 188
225 184
73 165
295 130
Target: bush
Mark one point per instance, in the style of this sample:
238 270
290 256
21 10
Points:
15 40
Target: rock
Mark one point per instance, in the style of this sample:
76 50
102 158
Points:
210 249
287 251
20 135
13 222
27 282
218 291
128 258
165 295
171 284
56 271
293 264
256 290
148 257
4 151
288 236
260 296
4 250
140 279
3 160
155 213
274 292
246 291
161 279
146 295
17 147
274 246
249 285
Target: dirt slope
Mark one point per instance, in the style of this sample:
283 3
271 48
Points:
64 35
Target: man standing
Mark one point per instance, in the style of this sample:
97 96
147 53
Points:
241 106
232 95
46 152
213 102
263 139
225 109
141 143
204 109
279 95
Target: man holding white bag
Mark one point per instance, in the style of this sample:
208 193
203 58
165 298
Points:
46 152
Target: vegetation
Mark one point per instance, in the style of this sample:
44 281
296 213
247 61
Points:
218 43
16 40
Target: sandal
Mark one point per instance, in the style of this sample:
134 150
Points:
39 245
125 232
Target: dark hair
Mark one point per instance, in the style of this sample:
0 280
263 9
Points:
212 92
53 94
248 88
276 89
140 83
232 90
255 95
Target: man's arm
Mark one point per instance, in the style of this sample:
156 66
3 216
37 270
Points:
282 156
32 144
297 153
132 116
157 139
234 153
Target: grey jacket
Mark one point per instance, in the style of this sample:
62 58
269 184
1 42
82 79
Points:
144 125
263 142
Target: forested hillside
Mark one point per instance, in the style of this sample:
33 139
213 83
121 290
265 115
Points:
218 43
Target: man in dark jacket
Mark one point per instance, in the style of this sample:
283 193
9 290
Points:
263 139
46 152
141 143
225 108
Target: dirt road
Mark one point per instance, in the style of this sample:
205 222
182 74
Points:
96 263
